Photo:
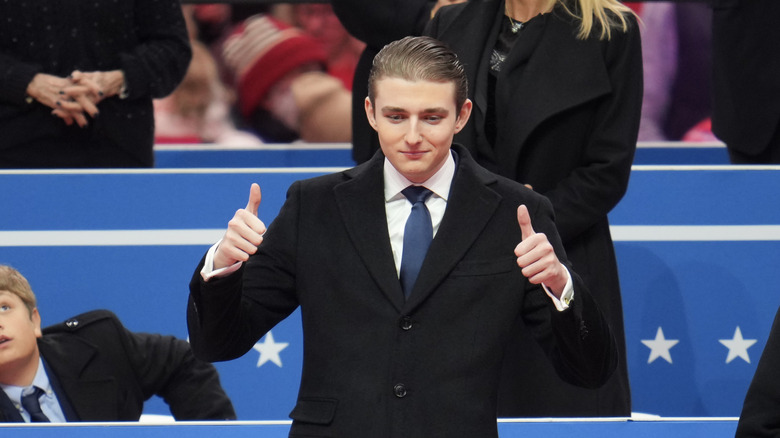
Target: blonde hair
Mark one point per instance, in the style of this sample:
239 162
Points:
14 282
607 14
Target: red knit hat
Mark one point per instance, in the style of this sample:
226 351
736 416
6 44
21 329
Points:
261 51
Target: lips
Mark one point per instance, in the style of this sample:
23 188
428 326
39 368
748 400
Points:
414 154
4 339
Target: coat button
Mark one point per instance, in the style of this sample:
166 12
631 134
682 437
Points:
399 390
406 323
72 323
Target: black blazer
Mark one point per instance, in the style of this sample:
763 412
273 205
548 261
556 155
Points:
567 115
105 373
760 415
376 365
746 68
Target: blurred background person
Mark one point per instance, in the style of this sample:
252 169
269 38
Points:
677 60
342 49
200 109
77 80
284 92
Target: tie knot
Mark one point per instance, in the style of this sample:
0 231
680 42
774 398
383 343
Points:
32 405
416 194
36 392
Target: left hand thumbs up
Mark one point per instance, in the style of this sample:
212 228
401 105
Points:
536 256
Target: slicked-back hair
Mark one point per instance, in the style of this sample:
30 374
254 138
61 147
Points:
419 59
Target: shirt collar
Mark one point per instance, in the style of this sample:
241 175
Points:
439 183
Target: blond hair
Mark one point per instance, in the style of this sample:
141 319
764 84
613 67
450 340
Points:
14 282
606 14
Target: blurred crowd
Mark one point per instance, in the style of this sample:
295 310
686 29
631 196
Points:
262 74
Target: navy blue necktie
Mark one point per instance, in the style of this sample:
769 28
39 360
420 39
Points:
32 405
418 234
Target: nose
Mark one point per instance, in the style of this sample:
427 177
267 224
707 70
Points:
413 135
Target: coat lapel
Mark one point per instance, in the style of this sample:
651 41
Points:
362 207
8 412
93 397
548 66
470 206
553 69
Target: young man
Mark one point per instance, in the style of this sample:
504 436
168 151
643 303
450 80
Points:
390 358
90 368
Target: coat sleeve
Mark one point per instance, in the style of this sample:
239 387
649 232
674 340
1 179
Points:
162 53
590 192
165 366
761 410
227 316
379 22
577 340
15 76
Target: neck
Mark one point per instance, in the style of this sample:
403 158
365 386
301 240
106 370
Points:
20 372
524 10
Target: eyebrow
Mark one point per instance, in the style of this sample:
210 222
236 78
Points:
392 109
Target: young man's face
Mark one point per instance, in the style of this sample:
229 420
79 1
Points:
416 122
18 333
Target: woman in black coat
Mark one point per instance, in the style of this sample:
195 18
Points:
556 107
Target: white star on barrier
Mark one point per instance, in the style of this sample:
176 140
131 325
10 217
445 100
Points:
660 346
269 350
737 346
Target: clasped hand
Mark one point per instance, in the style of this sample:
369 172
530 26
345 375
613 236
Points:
75 97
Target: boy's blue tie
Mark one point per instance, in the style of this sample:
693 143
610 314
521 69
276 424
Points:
418 234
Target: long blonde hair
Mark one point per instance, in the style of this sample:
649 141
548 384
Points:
608 14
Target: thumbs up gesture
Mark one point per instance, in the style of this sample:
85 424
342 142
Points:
536 256
244 233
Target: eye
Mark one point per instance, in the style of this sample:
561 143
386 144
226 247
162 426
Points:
433 119
4 308
394 117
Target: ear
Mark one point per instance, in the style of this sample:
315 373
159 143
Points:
36 320
463 115
370 113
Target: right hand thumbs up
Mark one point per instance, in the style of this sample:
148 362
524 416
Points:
254 199
244 233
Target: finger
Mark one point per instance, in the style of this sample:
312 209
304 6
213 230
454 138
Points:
88 106
68 104
524 220
64 115
254 199
76 76
249 226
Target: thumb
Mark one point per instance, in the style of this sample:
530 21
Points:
254 199
524 220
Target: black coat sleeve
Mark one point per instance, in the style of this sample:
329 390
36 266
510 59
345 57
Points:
761 410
